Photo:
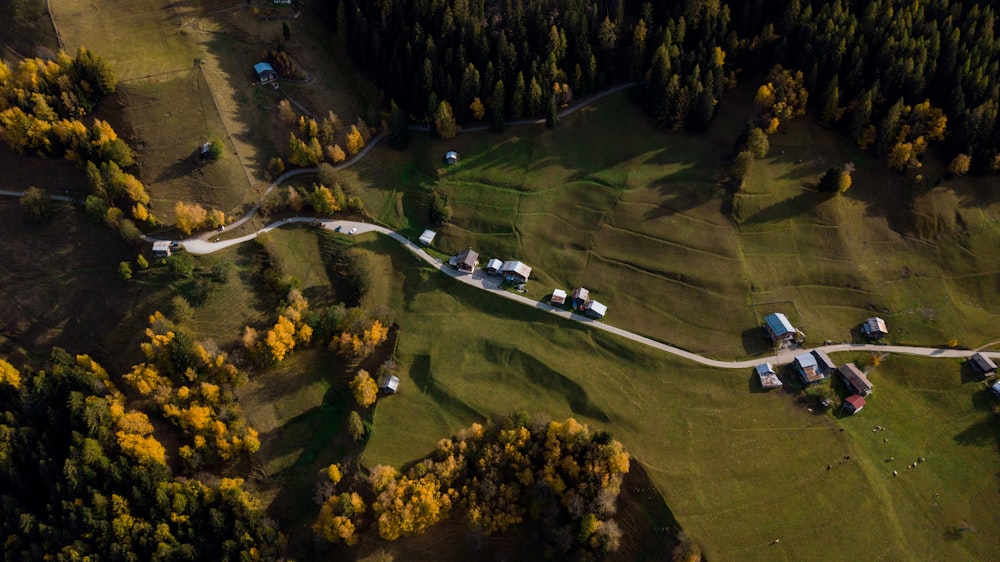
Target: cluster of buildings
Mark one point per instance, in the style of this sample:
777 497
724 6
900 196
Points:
579 299
815 366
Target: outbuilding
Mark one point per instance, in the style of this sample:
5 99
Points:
265 73
982 366
854 404
494 266
579 297
558 297
389 385
515 271
779 329
995 390
768 377
594 310
427 237
823 362
161 248
874 328
855 380
451 157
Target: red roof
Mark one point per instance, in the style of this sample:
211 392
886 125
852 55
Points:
856 401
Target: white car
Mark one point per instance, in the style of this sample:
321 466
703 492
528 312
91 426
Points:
354 230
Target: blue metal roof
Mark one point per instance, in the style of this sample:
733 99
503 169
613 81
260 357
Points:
261 67
765 369
806 360
778 324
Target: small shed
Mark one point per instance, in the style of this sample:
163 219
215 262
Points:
427 237
982 366
779 329
823 362
579 297
205 152
808 369
768 377
451 157
494 266
265 73
854 404
466 260
995 390
558 297
594 310
874 328
855 380
515 271
389 385
161 248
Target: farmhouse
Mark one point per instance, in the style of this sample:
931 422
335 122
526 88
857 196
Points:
515 271
768 378
874 328
161 249
594 309
389 384
982 366
427 237
855 380
854 404
558 297
823 362
779 329
451 157
579 296
807 369
466 260
265 73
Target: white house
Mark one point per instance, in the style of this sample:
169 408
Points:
161 248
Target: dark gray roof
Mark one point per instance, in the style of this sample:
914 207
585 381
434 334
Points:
982 364
468 257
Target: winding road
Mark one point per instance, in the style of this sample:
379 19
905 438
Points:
490 284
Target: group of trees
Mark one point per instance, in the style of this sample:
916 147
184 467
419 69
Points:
44 110
83 477
193 388
313 142
891 73
558 474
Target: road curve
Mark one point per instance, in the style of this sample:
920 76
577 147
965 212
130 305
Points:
490 284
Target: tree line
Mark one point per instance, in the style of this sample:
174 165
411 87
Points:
893 74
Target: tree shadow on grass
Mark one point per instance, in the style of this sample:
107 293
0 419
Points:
754 341
985 431
788 208
423 378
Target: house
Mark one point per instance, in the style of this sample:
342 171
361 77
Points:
855 380
389 385
823 362
594 310
807 369
558 297
451 157
995 390
427 237
494 266
265 73
161 248
854 404
768 378
874 328
779 329
466 260
579 296
982 366
515 271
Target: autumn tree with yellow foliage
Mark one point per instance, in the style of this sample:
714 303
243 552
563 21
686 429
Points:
364 388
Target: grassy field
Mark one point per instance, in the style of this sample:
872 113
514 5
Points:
643 223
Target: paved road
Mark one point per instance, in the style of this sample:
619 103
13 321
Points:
490 284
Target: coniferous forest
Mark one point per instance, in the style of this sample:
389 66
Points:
894 75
